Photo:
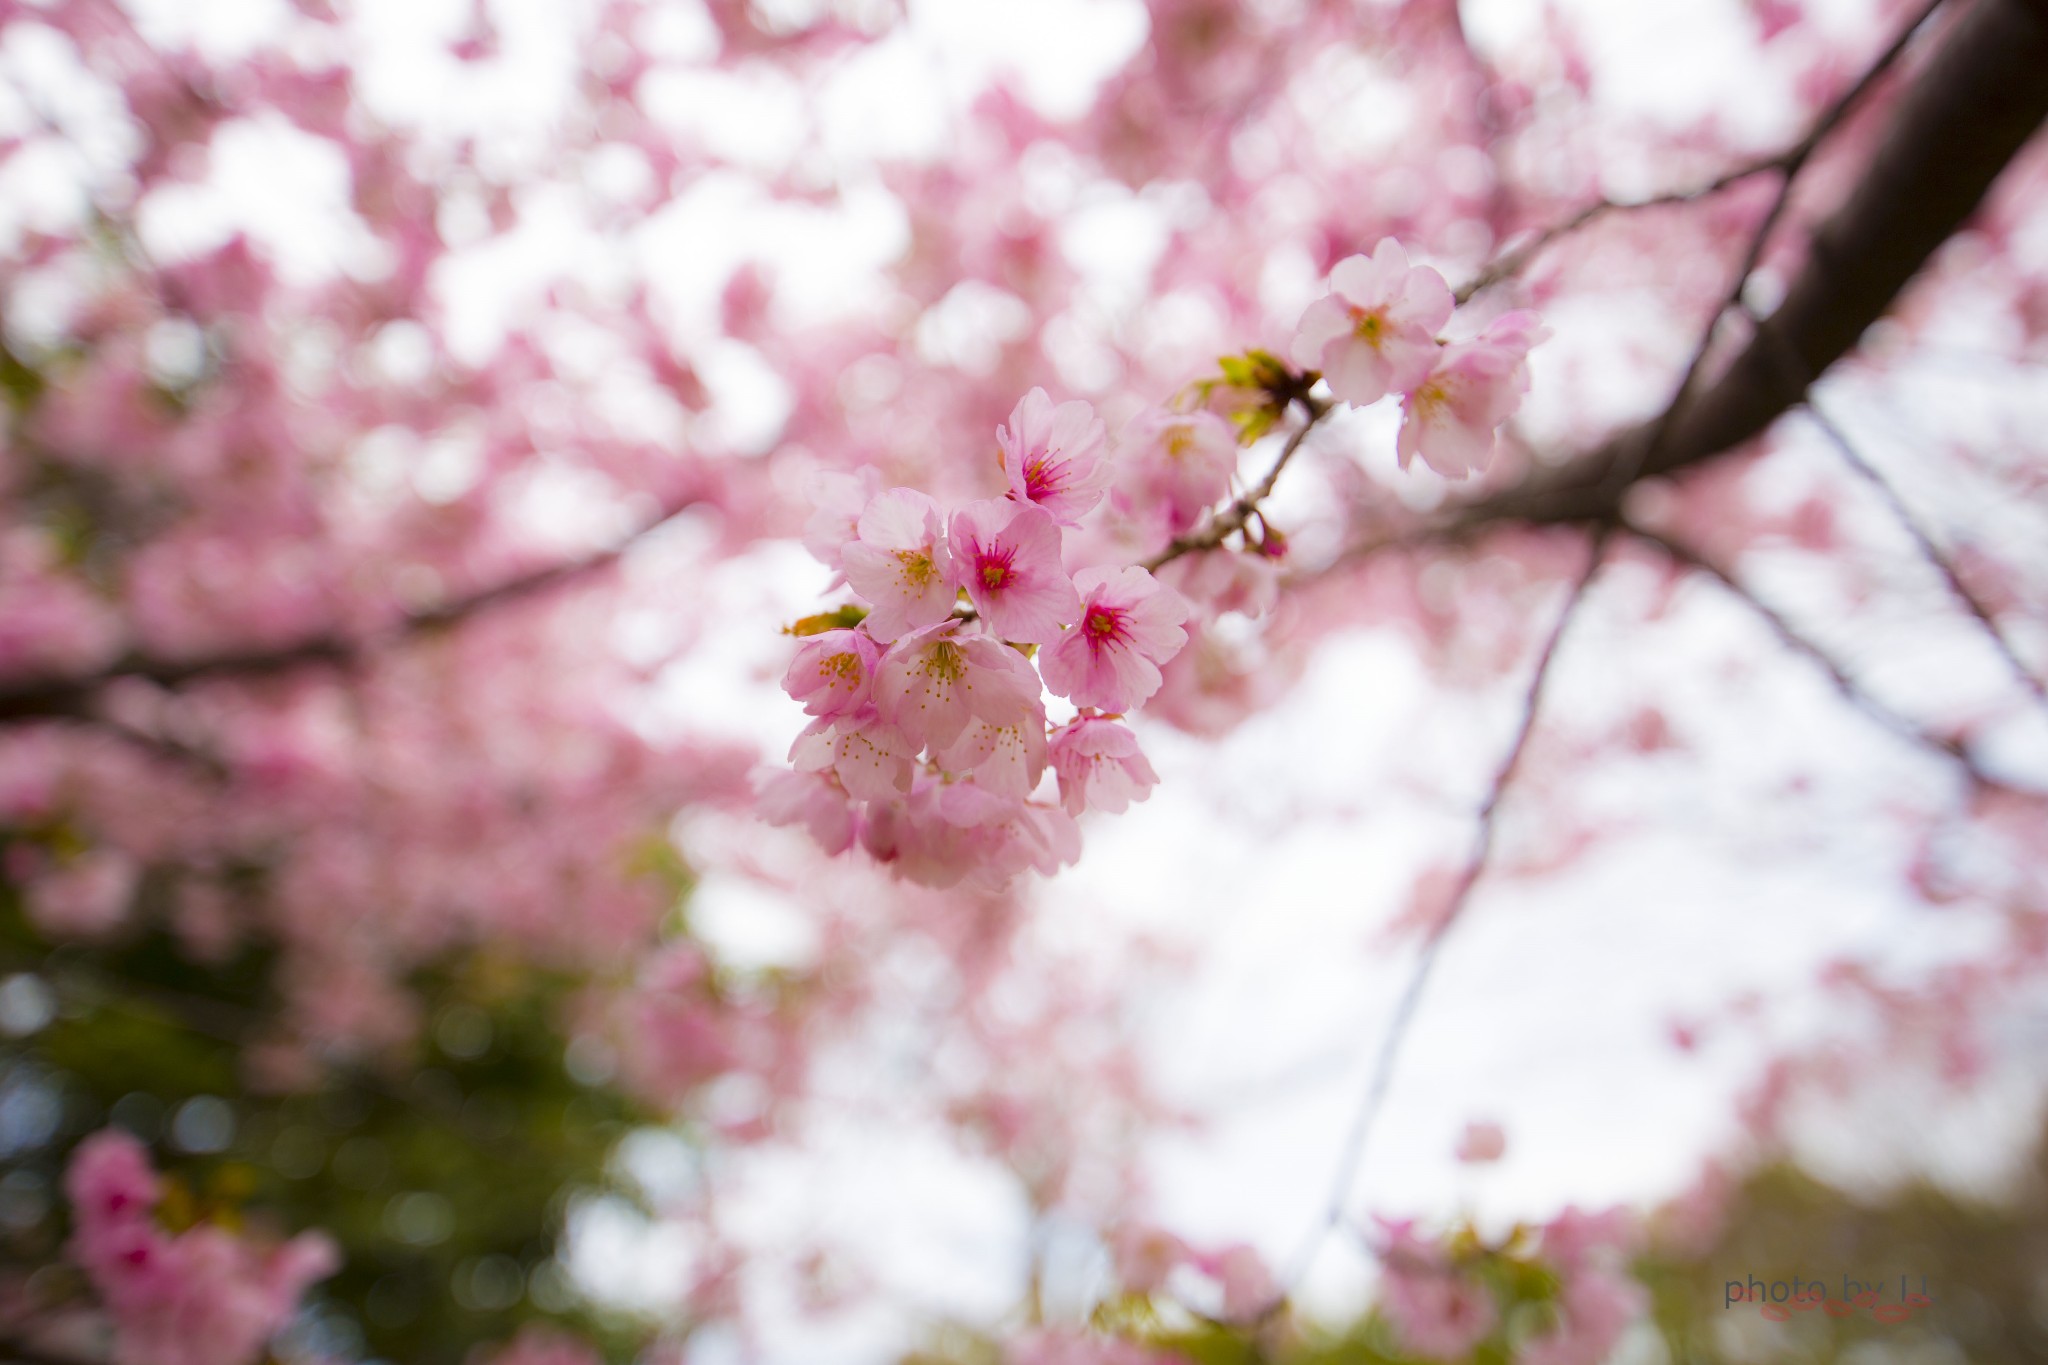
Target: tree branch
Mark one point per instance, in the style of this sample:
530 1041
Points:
16 1351
1789 161
1380 1077
1233 518
1850 690
1977 101
51 698
1928 549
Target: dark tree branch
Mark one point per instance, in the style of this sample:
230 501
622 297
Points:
17 1351
51 698
1381 1076
1968 112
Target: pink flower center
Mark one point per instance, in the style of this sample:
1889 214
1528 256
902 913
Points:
1041 476
1105 625
843 668
1367 326
996 565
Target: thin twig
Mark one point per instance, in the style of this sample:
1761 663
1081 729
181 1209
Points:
1513 261
1851 692
1380 1077
1788 360
1928 549
1787 161
1233 518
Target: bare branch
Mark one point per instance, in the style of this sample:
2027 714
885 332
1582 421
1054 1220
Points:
1380 1077
1513 261
1904 516
1928 549
1851 691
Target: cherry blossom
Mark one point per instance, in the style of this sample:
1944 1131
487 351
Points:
900 564
934 681
1374 333
838 500
1482 1142
1004 759
833 674
200 1297
817 800
1100 767
871 757
1008 558
1438 1311
1054 456
1130 625
1179 463
1450 417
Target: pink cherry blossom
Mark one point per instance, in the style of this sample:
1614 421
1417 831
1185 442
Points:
1374 333
1039 1347
833 674
837 500
201 1297
1005 760
1100 767
900 564
1130 624
934 681
1594 1307
872 758
1482 1142
1177 462
541 1346
1145 1256
816 800
1437 1310
1007 556
1054 456
1450 417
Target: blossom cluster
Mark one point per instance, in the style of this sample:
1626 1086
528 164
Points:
1443 1297
202 1296
930 732
1376 333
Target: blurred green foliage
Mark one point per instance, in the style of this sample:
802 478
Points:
445 1171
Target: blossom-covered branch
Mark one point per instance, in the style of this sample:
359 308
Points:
35 699
930 732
